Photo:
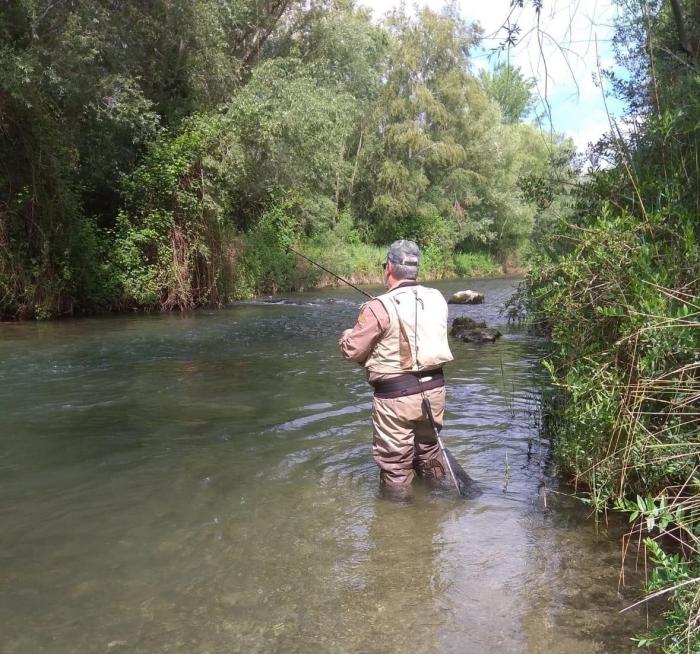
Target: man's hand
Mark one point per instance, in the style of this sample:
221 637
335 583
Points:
343 335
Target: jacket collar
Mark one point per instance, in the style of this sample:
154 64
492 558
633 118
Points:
405 284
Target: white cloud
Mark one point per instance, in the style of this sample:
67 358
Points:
559 53
587 132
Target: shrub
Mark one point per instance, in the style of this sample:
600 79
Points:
266 265
475 264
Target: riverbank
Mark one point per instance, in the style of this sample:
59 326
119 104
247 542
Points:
622 309
265 267
124 187
362 264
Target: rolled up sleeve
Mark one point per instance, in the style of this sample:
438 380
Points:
356 344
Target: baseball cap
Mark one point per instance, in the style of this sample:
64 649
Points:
404 253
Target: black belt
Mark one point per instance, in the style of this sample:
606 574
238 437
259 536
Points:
409 383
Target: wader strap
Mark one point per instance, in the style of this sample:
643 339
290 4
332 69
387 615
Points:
409 384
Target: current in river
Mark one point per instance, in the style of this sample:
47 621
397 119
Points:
203 483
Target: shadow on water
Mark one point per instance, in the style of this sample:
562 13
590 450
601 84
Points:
204 483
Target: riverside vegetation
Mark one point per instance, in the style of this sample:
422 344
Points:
162 155
616 287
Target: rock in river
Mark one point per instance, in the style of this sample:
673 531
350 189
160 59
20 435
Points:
470 331
466 297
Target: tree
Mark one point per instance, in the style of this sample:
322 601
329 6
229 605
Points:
417 121
510 90
84 86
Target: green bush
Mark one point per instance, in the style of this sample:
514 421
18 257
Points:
475 264
266 266
621 309
341 251
173 244
436 263
428 230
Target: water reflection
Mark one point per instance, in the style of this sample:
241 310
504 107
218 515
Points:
397 606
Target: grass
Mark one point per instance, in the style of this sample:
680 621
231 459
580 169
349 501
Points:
475 264
623 313
361 263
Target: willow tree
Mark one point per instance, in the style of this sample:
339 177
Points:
507 86
446 168
417 123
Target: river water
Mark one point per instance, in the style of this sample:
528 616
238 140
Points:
204 483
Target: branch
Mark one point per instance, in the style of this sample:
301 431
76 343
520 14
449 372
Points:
275 13
680 26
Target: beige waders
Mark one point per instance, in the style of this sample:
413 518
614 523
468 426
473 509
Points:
404 441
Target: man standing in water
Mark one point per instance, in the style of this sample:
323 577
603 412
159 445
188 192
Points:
401 339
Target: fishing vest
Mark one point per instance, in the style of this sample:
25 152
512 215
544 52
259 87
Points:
416 338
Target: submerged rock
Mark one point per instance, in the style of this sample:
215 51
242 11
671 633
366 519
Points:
466 297
471 331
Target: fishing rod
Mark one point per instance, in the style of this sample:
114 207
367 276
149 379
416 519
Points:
330 272
459 484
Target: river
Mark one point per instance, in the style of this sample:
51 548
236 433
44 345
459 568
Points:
204 483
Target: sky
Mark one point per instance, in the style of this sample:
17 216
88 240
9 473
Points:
565 65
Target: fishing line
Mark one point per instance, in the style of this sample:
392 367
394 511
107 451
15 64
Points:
330 272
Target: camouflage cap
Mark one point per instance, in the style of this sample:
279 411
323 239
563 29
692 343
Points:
404 253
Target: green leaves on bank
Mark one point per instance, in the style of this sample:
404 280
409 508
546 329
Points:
144 147
617 290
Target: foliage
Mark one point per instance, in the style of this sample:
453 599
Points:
342 251
475 264
441 166
616 287
84 86
293 131
513 92
171 244
672 574
620 334
267 265
358 262
146 145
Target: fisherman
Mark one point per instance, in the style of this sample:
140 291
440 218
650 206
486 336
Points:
401 339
